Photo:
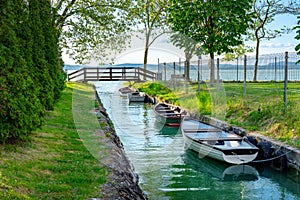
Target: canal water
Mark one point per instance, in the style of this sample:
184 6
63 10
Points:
167 170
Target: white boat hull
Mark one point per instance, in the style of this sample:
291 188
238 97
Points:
205 150
231 150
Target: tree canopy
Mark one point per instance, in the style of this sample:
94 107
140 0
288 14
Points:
217 25
93 29
150 18
265 12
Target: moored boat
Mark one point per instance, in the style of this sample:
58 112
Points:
216 143
136 97
169 114
125 90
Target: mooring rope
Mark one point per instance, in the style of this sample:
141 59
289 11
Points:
270 159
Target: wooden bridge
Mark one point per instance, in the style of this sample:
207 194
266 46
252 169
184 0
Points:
113 74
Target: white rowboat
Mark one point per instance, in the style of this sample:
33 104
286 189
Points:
216 143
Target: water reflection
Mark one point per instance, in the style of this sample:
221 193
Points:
166 131
220 170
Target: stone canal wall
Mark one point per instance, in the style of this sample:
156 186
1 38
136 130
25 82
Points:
121 182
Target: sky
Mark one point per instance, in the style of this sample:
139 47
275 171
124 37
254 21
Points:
162 51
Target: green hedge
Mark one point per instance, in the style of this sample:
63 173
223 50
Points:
31 77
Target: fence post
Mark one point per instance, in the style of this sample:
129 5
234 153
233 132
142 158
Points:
237 69
84 74
97 74
179 65
218 71
198 75
138 73
165 68
285 81
174 65
245 76
275 69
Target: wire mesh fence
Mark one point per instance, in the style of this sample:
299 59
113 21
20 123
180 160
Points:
270 68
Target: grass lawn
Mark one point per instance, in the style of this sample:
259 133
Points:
54 163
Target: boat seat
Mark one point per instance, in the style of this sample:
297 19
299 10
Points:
201 130
221 139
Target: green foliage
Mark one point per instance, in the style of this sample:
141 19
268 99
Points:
262 110
150 17
238 52
204 103
216 25
21 110
93 30
27 88
158 90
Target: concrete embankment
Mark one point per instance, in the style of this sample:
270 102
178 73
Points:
122 181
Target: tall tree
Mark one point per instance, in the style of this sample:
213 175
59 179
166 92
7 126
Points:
52 49
150 17
40 64
92 29
21 111
264 14
216 25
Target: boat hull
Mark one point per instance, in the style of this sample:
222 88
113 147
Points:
125 91
169 121
168 115
231 150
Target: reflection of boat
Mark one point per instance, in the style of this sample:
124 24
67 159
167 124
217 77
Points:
169 114
220 170
125 90
166 130
136 97
217 143
240 172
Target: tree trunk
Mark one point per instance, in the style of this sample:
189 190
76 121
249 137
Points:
212 69
146 53
187 70
256 60
188 58
145 60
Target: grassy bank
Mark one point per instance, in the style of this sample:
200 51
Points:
262 110
53 163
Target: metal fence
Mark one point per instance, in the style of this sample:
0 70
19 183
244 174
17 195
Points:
270 68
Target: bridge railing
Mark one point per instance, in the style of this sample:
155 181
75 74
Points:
112 74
